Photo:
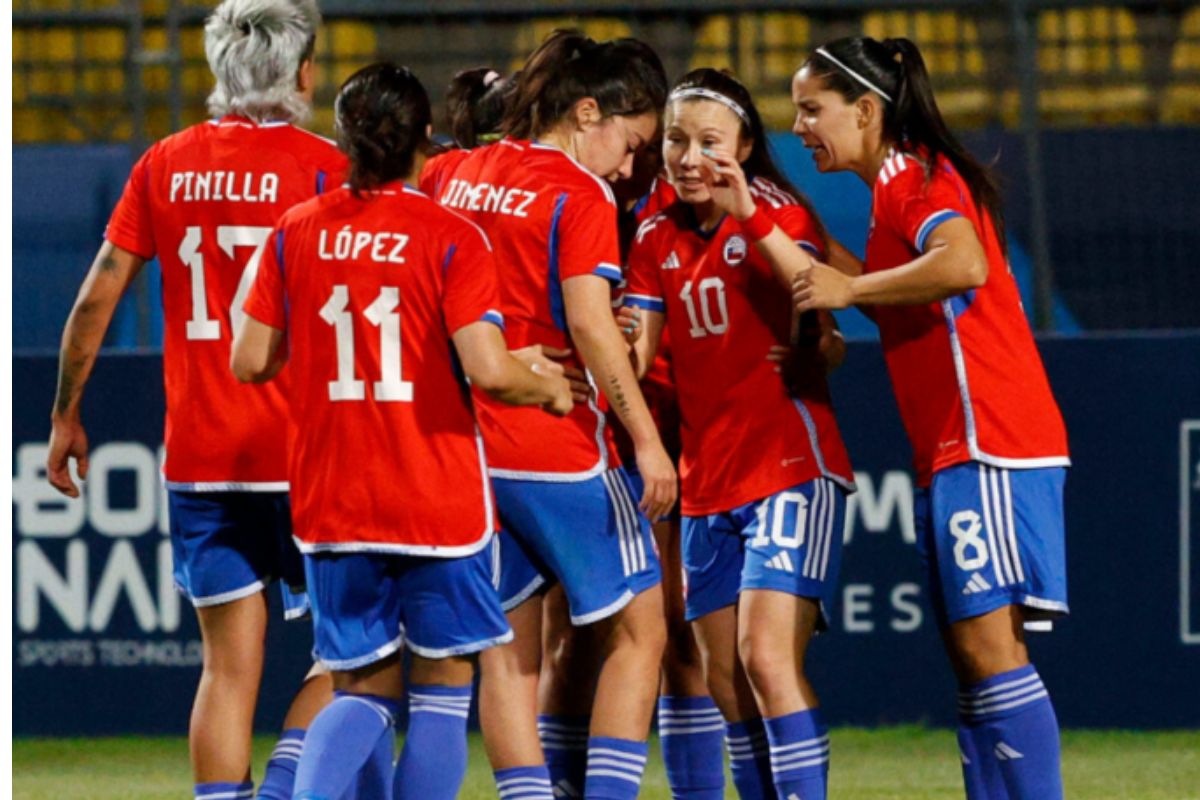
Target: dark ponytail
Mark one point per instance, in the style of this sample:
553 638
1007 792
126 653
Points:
911 118
476 101
624 76
382 117
760 163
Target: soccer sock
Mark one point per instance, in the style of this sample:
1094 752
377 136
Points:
280 775
614 768
690 730
1014 722
799 755
981 771
565 743
375 777
524 783
433 762
224 791
339 742
750 759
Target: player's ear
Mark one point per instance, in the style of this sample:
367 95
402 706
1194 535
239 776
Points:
306 78
586 112
867 111
745 148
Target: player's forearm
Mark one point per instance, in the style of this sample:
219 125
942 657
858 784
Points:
508 380
87 324
604 354
939 274
646 347
787 259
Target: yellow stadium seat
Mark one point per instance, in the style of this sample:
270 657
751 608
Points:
530 35
1181 99
949 43
1091 67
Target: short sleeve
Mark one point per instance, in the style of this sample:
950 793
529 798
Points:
914 206
471 282
645 287
585 238
801 227
130 226
266 302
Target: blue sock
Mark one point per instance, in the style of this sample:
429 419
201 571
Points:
690 730
375 777
750 759
224 791
280 774
614 768
981 770
433 762
339 742
565 743
1015 723
799 755
524 783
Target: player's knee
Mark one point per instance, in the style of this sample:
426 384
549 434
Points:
978 658
766 662
641 626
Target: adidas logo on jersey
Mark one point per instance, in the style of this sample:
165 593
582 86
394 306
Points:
1006 753
976 584
781 562
672 262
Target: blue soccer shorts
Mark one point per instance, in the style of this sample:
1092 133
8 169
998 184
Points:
790 541
992 537
587 535
366 606
230 545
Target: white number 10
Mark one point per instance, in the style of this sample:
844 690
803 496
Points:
383 314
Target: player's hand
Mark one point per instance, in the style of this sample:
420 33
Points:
581 387
822 287
563 400
832 348
629 320
658 477
726 182
67 440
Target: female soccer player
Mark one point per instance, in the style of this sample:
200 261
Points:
764 471
382 295
204 201
581 109
990 449
476 102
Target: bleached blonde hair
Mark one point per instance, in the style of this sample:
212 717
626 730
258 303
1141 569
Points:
255 49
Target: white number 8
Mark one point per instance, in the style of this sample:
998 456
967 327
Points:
965 528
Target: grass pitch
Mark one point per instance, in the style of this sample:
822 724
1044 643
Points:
899 762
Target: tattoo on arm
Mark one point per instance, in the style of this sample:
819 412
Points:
617 397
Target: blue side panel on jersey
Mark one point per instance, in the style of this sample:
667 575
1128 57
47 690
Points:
321 177
446 260
961 302
558 311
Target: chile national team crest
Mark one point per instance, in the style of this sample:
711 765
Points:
735 250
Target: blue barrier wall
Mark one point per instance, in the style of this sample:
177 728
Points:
103 645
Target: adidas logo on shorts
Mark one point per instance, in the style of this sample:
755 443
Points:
976 584
782 562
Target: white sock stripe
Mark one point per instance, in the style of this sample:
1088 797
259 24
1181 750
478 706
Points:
225 795
523 779
282 750
619 754
979 711
748 737
803 743
448 712
983 705
1000 688
605 773
528 794
676 730
464 700
808 752
689 712
812 762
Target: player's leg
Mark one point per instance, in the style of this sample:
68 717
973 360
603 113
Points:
279 777
452 612
508 686
357 604
223 558
998 549
690 726
793 554
712 555
571 660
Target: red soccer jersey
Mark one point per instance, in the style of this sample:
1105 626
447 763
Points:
966 371
744 435
204 202
387 457
438 168
549 219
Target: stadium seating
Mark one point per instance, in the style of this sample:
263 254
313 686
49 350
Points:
1181 100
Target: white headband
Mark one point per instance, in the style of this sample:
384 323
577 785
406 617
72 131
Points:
821 51
695 92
